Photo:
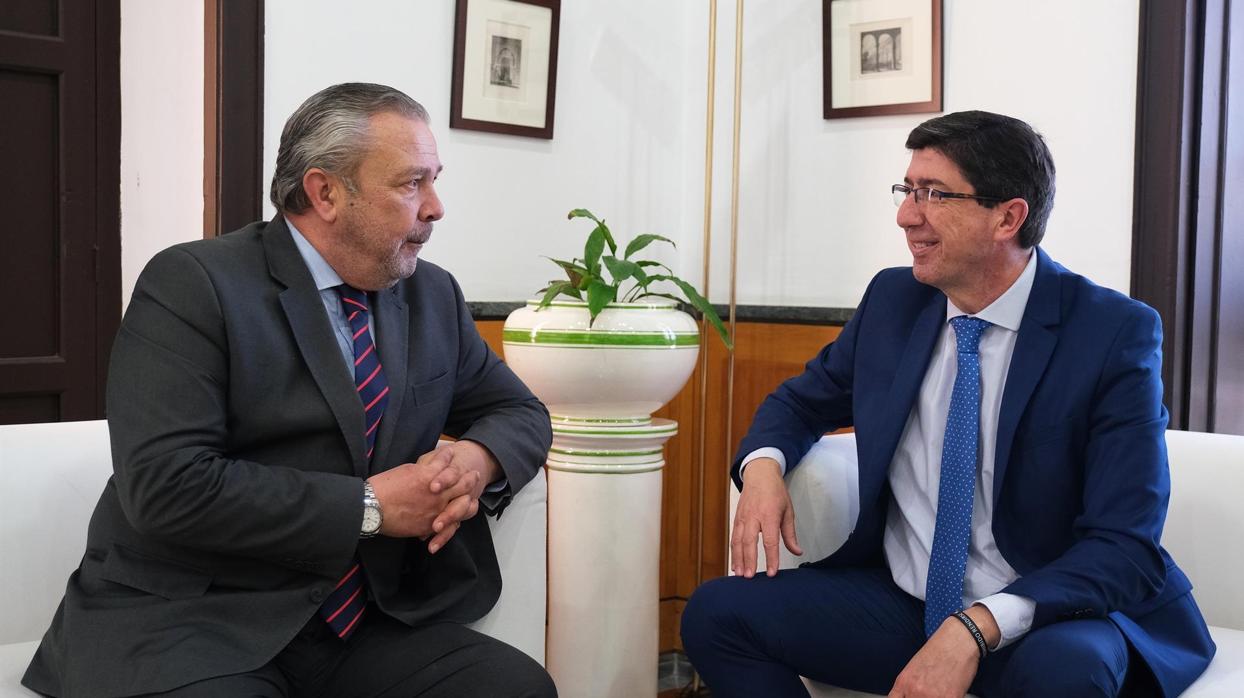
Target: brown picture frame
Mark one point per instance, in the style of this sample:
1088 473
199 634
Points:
857 84
505 66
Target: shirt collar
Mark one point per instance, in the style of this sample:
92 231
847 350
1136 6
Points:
1008 310
321 271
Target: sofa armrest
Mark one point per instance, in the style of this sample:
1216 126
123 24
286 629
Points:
520 536
824 491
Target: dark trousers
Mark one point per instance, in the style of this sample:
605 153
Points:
386 658
856 629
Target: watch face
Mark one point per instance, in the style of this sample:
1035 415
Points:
371 519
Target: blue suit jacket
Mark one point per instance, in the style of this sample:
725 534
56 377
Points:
1081 480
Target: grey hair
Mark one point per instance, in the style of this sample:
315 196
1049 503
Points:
331 131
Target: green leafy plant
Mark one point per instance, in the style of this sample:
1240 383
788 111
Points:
586 278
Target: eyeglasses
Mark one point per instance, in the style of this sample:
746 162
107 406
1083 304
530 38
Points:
937 196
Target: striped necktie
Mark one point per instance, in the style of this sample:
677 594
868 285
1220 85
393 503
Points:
952 532
345 605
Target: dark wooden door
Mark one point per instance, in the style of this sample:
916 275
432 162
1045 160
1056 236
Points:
1188 246
59 193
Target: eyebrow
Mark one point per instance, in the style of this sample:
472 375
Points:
925 182
420 171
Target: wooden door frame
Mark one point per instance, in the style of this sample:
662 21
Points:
233 89
107 188
1181 112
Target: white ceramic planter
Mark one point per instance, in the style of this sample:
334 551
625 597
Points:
601 385
632 360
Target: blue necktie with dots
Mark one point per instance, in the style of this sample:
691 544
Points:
943 591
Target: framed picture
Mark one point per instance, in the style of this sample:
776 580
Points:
882 57
505 66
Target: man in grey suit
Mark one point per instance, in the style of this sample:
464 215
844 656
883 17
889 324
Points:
281 521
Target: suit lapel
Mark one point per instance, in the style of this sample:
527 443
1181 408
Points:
907 379
1033 348
314 335
392 341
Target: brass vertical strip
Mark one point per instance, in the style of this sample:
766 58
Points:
705 328
734 238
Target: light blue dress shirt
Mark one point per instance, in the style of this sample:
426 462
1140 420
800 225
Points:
327 280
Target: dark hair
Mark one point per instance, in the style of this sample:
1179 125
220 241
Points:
999 156
330 131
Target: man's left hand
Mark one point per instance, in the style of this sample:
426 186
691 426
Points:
946 665
467 456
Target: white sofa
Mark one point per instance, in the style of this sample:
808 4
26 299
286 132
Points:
52 474
1204 533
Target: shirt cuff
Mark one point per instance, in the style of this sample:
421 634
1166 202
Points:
494 495
767 452
1012 613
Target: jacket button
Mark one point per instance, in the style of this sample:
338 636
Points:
318 594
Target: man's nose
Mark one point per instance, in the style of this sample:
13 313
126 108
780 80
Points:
910 214
432 209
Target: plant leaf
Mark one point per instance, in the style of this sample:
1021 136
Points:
553 290
643 241
574 272
613 246
700 304
621 270
584 213
649 263
592 251
599 294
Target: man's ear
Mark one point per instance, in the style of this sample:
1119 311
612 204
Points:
1011 215
324 191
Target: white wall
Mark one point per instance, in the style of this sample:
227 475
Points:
816 220
815 217
161 130
618 141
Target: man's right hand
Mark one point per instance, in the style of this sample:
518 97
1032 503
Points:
765 510
406 497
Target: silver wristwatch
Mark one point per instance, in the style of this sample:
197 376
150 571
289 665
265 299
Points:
372 516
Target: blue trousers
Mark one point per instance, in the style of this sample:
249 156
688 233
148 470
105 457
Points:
854 628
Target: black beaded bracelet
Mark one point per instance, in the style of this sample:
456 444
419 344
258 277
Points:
976 632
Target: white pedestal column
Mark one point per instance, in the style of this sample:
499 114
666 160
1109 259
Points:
604 557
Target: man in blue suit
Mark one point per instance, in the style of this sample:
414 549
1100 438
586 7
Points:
1013 478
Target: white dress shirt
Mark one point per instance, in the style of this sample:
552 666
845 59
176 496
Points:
915 471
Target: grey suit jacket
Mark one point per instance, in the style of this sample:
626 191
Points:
238 455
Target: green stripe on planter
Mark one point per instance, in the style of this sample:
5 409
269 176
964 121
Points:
599 421
611 339
605 454
561 429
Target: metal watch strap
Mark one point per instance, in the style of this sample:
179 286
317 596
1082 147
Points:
370 503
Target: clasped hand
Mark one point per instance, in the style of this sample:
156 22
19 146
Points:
435 494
